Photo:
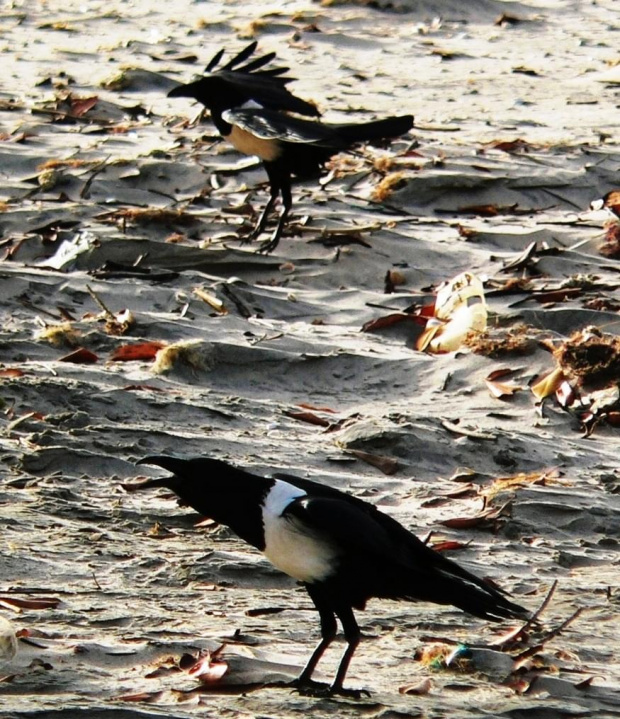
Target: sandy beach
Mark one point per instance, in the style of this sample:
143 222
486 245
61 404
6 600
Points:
121 221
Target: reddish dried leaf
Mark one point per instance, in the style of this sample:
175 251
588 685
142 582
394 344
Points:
80 106
391 320
305 405
11 372
469 522
448 545
141 351
308 417
41 603
80 356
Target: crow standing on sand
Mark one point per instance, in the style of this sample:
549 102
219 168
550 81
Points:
249 106
342 549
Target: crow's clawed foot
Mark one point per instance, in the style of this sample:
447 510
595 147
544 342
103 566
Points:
267 247
310 688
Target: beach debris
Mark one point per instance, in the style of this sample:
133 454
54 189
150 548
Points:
420 688
211 300
611 247
387 465
59 335
209 668
193 354
388 186
115 324
80 356
460 310
8 641
18 603
140 351
499 385
586 379
516 659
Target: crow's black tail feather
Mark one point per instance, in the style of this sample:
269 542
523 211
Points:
376 129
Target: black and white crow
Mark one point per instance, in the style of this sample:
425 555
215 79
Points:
249 106
343 550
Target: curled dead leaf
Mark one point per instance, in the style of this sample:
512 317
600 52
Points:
418 689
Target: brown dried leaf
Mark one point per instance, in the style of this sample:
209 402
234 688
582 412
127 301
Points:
81 105
309 417
386 464
40 603
501 390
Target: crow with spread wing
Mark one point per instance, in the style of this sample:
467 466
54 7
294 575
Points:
250 106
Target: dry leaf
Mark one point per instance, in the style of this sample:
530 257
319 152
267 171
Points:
11 372
386 464
501 390
548 384
141 351
40 603
80 356
418 689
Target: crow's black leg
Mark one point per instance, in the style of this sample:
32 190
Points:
352 635
274 191
287 203
328 633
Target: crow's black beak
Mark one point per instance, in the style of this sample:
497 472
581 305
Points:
147 483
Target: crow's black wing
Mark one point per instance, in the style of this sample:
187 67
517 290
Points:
271 125
268 91
396 563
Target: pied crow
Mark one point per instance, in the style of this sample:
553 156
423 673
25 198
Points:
250 107
342 549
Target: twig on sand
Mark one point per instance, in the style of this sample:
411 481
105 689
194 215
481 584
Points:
560 628
99 301
504 641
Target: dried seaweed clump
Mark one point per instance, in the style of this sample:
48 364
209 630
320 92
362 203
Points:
590 359
611 247
60 335
496 343
194 355
388 185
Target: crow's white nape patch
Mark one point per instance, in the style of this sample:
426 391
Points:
298 553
